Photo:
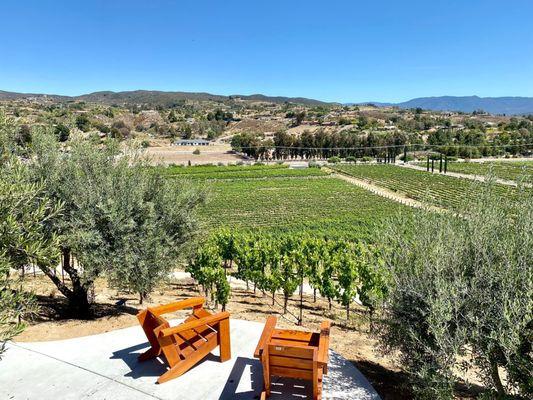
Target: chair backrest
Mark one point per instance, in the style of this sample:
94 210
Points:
292 361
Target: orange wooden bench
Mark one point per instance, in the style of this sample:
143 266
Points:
293 354
187 343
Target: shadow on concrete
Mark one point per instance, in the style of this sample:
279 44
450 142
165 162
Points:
281 388
242 367
154 367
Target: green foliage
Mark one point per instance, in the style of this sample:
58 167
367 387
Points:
240 172
24 211
62 132
444 191
83 123
284 263
460 294
120 218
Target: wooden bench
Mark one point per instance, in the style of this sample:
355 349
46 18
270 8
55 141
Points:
293 354
187 343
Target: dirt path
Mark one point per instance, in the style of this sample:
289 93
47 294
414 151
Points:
479 178
389 194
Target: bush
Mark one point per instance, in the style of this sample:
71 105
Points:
460 294
196 152
366 159
409 157
334 160
351 159
62 132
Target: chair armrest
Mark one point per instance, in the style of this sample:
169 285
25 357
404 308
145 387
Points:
323 342
270 325
178 305
194 324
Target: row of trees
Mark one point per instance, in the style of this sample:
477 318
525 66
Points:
322 144
338 270
117 219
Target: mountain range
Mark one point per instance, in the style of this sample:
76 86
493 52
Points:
492 105
155 97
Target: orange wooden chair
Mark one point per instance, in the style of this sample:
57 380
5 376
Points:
187 343
293 354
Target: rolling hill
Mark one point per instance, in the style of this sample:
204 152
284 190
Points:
155 97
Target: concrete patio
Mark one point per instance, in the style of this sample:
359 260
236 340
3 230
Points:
105 366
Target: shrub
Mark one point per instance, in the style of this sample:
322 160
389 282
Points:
196 152
460 294
351 159
334 160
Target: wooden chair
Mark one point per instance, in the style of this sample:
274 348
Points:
187 343
293 354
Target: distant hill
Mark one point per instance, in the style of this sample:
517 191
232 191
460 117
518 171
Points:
493 105
155 97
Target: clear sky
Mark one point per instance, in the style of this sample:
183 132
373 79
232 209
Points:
380 50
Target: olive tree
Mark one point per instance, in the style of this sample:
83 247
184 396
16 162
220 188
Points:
120 218
24 208
460 293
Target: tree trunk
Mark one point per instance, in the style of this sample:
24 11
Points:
347 312
273 298
285 302
141 298
329 301
314 295
77 296
301 317
495 375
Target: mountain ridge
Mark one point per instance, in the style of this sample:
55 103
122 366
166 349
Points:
156 97
509 105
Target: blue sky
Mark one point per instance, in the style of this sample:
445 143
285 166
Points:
330 50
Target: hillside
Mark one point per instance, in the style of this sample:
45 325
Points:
155 97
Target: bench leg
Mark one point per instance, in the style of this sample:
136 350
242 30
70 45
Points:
149 354
224 340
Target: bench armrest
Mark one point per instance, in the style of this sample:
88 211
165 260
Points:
270 325
194 324
323 342
178 305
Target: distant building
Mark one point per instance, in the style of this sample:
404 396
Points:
192 142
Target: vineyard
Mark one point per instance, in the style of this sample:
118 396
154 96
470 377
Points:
510 170
323 205
440 190
240 172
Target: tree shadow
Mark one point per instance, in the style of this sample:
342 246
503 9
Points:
57 308
390 384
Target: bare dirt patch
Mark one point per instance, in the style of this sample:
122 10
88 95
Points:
184 154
